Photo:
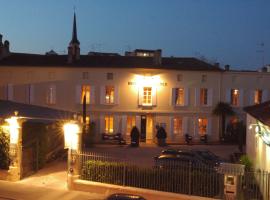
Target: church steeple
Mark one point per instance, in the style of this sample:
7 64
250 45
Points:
74 45
74 31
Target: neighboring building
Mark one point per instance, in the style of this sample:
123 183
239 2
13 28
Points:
141 88
258 135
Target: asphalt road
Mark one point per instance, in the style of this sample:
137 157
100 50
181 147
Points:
18 191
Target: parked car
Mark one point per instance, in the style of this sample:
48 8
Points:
121 196
177 161
208 156
196 157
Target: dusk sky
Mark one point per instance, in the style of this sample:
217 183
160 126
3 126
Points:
235 32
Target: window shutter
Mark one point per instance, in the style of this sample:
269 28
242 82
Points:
31 93
78 94
140 96
92 95
185 126
124 125
228 96
116 94
102 124
197 96
209 97
171 127
10 92
102 95
209 126
264 95
138 122
116 125
241 97
186 96
252 97
154 96
174 95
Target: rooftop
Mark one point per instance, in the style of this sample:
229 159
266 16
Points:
261 112
7 109
181 63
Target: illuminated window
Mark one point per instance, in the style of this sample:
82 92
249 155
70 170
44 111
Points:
108 124
235 97
131 122
202 124
258 97
109 94
177 126
51 95
85 90
179 96
147 96
203 96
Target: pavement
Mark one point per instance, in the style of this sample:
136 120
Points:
19 191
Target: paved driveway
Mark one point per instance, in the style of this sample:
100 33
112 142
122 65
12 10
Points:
144 154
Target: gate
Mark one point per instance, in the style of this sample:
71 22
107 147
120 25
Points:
30 158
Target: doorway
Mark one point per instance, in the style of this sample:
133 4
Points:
143 128
146 128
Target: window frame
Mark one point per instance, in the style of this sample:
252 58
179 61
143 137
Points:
178 126
204 129
109 94
109 124
147 96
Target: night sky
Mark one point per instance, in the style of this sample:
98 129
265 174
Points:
235 32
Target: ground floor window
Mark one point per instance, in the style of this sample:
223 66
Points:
202 123
108 124
177 126
131 122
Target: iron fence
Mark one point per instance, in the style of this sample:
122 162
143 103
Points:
185 178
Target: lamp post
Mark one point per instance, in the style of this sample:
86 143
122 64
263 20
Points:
72 143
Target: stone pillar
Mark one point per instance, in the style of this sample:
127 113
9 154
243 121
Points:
74 161
15 152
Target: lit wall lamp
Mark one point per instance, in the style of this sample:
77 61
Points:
71 135
256 127
13 126
262 131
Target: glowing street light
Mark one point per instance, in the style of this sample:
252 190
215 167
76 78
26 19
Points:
13 129
71 135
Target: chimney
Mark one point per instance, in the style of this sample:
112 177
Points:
157 57
4 48
227 67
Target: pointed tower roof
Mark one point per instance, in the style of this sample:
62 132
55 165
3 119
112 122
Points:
74 39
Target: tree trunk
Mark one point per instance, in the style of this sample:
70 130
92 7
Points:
223 126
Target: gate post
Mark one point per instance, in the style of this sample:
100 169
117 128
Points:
72 135
15 147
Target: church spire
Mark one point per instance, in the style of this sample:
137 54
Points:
74 39
74 45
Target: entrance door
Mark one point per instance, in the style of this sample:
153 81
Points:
143 128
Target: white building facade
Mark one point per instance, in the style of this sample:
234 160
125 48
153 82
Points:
140 89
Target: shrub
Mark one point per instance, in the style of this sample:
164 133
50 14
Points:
4 150
170 180
245 160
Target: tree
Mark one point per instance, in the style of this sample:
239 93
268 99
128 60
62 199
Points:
4 150
222 110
